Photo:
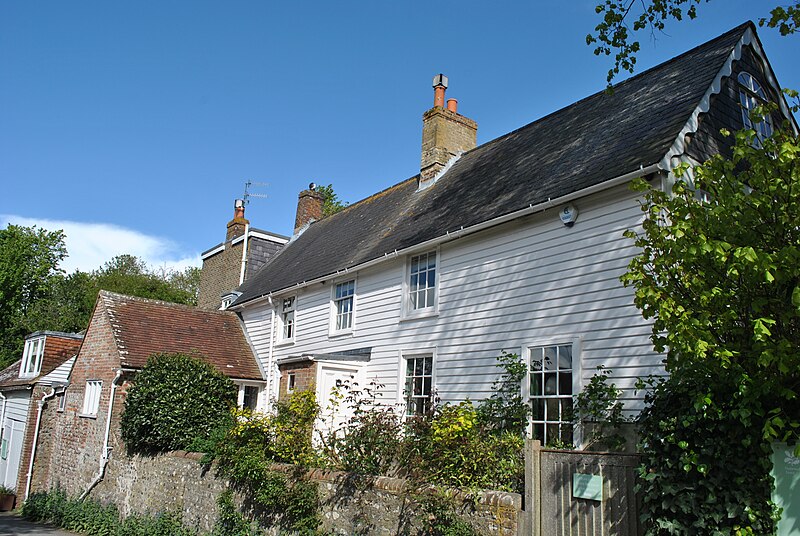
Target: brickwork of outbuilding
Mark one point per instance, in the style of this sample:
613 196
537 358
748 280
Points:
71 444
305 374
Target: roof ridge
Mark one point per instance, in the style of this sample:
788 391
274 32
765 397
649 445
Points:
151 301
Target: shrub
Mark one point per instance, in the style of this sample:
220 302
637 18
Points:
91 517
702 472
369 441
599 408
293 426
175 399
453 449
505 410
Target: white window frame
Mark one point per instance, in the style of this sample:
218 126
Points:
91 398
405 356
32 357
577 383
291 381
62 401
259 395
752 94
281 323
333 329
431 309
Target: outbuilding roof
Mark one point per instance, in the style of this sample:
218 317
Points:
143 327
596 139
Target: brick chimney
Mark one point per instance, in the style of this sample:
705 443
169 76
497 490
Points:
309 207
445 133
237 226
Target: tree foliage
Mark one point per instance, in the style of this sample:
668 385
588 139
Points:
35 294
721 279
331 202
175 400
29 258
621 19
719 275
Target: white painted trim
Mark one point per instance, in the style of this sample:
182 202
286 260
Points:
332 331
464 231
212 252
748 38
406 313
269 237
576 341
403 355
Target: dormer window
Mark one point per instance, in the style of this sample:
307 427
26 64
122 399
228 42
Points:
751 95
32 358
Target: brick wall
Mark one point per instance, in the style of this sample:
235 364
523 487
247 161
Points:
305 377
220 274
444 134
71 445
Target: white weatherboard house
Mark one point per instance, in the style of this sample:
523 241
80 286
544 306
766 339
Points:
512 245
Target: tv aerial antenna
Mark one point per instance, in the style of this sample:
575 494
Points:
248 194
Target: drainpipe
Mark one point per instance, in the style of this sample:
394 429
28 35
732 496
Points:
3 415
36 440
106 449
271 367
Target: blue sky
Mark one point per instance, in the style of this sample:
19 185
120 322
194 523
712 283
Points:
135 125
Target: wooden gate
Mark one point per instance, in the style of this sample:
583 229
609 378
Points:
576 493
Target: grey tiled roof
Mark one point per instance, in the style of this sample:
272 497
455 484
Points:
591 141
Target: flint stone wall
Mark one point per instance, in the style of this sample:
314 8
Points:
350 505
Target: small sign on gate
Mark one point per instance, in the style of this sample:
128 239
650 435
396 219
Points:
587 486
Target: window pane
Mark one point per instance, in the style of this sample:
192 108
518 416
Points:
430 297
550 358
414 264
428 365
565 357
536 384
550 383
427 387
418 386
551 408
566 409
538 409
538 432
565 383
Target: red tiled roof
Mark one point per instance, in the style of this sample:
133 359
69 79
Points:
144 327
58 347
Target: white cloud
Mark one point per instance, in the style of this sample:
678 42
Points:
90 245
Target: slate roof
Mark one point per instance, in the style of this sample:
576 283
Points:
143 327
591 141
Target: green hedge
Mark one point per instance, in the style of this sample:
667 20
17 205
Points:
175 400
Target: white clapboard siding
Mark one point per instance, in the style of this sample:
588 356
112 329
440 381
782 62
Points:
17 404
60 374
528 282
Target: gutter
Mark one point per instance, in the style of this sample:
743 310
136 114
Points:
458 233
271 371
35 439
106 449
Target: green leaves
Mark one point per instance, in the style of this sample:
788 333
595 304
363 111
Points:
175 400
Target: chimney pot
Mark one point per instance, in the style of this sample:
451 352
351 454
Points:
439 88
445 134
238 208
237 226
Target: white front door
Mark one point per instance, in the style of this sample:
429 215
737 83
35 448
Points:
331 393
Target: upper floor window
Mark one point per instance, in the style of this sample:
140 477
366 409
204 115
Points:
550 375
344 305
32 357
422 282
287 317
751 95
